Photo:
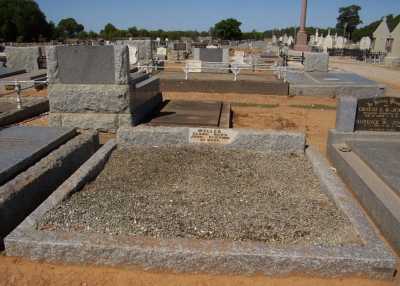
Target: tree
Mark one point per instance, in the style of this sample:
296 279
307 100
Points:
69 28
348 20
109 32
92 35
228 29
22 20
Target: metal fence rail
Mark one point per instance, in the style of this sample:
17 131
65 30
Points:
18 87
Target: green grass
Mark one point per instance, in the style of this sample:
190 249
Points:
255 105
314 106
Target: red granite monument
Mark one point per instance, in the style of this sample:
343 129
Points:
302 41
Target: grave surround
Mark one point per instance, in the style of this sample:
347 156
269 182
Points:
363 149
29 188
372 259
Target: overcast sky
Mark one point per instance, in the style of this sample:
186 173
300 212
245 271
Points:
202 14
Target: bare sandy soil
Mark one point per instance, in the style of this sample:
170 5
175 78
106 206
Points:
311 115
15 271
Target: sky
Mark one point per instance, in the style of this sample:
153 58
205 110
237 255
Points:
200 15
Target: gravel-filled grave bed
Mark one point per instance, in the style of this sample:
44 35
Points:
205 192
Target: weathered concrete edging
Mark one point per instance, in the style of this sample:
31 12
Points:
371 259
247 139
336 90
227 86
30 109
20 196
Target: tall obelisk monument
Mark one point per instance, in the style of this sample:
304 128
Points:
302 41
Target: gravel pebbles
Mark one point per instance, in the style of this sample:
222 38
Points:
205 192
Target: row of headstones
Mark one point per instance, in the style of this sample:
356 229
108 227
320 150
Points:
325 43
337 42
285 40
328 42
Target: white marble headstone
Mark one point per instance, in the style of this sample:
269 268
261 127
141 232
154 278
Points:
133 55
365 43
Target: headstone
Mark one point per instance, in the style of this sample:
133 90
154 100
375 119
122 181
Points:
180 47
328 43
162 52
144 49
378 114
88 65
274 40
340 42
133 55
23 58
193 66
365 43
316 62
285 39
91 87
320 41
312 41
290 41
214 55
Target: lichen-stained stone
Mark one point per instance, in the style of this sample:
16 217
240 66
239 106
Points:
102 98
96 121
88 64
23 58
316 62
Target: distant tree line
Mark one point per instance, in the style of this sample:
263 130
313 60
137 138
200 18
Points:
23 21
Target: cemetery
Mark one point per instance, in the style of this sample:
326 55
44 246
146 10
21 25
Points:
181 245
253 158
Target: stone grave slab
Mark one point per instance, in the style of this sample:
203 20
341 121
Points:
383 158
96 65
6 72
21 147
188 113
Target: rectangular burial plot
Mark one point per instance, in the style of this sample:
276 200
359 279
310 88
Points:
21 147
250 203
189 113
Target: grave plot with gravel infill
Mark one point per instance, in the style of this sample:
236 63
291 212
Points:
205 193
247 202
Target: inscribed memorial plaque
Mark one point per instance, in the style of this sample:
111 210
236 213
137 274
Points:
210 136
378 114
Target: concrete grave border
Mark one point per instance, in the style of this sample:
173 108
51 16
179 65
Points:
21 195
372 259
31 108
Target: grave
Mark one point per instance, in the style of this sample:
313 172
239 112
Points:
331 84
203 200
316 62
34 161
23 58
21 147
90 87
144 49
265 83
214 60
364 148
193 113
